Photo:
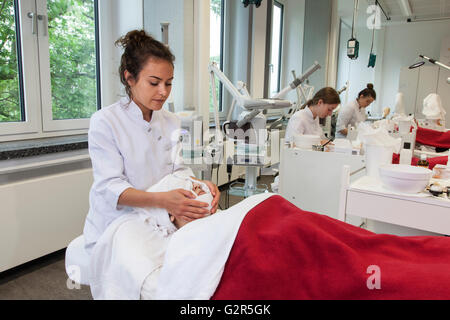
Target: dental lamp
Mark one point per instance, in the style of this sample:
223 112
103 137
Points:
433 61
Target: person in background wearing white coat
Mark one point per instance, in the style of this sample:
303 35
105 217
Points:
306 121
133 143
355 111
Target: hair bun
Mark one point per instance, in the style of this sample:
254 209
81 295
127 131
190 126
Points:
134 39
370 86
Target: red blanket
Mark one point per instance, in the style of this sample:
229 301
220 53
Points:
433 161
433 138
282 252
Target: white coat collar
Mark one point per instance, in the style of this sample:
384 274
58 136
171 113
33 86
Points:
310 114
136 113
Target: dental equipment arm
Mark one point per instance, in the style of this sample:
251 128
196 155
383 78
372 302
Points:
296 84
344 88
440 64
216 147
433 61
298 81
243 99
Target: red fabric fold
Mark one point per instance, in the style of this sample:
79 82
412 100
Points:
432 161
282 252
433 138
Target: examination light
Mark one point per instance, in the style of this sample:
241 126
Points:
431 60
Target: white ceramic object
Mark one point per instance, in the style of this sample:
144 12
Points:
375 157
306 141
404 178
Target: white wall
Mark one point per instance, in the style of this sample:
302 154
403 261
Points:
117 17
356 71
181 42
316 39
292 59
236 46
403 44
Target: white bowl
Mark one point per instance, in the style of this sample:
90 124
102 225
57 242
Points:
404 178
306 141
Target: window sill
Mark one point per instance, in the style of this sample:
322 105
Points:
37 147
42 161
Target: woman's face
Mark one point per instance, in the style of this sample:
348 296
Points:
325 109
153 84
364 102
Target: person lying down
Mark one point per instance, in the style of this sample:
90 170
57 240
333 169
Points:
127 259
171 182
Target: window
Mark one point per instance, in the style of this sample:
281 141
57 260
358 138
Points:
49 79
216 47
276 46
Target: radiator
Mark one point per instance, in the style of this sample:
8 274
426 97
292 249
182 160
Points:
42 215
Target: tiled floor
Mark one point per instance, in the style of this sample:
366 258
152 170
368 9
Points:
46 279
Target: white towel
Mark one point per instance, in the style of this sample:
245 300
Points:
432 107
197 253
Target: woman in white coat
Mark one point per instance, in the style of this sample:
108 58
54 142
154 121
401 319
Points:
133 143
306 121
355 111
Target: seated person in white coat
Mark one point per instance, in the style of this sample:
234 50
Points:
355 111
132 143
306 121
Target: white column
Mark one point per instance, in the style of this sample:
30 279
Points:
333 46
201 59
117 17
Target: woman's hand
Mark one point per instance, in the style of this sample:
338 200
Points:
180 203
215 193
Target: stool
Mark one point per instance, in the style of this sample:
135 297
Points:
77 261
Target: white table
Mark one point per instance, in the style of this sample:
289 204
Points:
366 198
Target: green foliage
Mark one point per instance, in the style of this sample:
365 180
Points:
216 6
72 58
9 88
71 31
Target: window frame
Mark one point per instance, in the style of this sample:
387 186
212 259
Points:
222 110
281 5
28 65
280 42
35 83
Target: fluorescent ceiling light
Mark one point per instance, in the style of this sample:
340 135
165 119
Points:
406 8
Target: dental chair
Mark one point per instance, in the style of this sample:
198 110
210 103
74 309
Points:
77 261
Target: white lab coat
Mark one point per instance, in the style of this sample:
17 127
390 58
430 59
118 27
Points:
127 152
303 122
350 114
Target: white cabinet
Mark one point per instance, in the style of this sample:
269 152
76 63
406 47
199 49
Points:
311 180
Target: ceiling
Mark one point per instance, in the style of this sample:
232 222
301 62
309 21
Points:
416 9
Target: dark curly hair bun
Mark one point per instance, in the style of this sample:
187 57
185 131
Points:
139 47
